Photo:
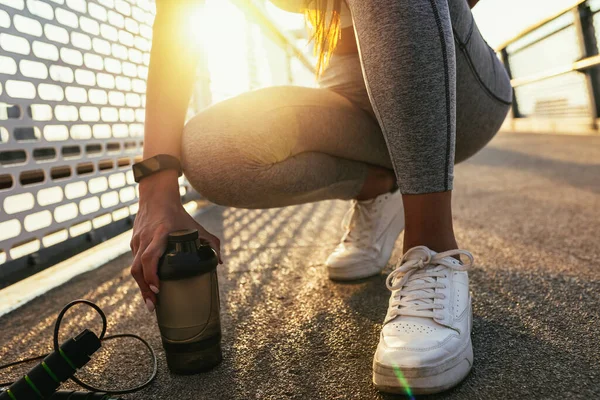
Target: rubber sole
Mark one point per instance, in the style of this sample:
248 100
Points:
360 270
426 380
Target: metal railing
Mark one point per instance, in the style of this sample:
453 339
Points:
72 97
563 82
257 13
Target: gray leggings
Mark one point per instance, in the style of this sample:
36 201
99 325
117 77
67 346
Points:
435 94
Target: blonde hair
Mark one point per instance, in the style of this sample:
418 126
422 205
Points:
326 29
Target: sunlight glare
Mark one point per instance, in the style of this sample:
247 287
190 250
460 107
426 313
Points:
194 17
224 31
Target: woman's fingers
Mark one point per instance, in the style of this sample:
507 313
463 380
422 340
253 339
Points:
134 244
150 259
138 274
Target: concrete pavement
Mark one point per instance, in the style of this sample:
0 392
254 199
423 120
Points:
527 207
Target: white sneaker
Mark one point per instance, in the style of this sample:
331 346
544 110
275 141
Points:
425 344
372 227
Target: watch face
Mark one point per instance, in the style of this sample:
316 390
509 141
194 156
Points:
152 164
145 168
155 164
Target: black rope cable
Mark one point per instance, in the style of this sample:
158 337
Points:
102 338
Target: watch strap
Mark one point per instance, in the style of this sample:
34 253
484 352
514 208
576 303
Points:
152 165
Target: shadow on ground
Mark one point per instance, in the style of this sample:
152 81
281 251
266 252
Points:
527 212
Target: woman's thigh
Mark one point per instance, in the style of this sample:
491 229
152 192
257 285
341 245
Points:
269 125
483 91
256 142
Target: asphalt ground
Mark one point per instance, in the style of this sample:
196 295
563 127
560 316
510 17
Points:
527 207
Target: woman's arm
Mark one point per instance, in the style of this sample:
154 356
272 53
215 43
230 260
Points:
171 74
472 3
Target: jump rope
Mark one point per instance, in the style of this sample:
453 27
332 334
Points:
43 381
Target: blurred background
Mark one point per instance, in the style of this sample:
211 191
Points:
72 96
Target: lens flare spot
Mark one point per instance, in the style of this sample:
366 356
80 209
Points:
403 382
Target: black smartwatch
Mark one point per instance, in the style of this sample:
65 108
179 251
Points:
155 164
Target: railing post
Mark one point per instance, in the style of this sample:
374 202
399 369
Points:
288 64
586 34
515 104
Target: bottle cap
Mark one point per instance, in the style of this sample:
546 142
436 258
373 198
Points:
184 235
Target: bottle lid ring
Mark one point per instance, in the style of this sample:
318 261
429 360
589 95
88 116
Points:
184 235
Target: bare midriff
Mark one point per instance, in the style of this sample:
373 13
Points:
347 43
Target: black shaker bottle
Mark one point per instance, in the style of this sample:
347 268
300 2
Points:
188 304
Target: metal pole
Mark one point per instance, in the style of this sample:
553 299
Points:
515 104
288 64
586 37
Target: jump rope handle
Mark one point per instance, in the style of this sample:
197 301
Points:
43 380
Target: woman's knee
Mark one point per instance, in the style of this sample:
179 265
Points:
230 145
207 157
474 133
221 160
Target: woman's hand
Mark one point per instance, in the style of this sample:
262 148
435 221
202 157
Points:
160 212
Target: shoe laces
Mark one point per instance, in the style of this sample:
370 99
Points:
358 221
414 282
